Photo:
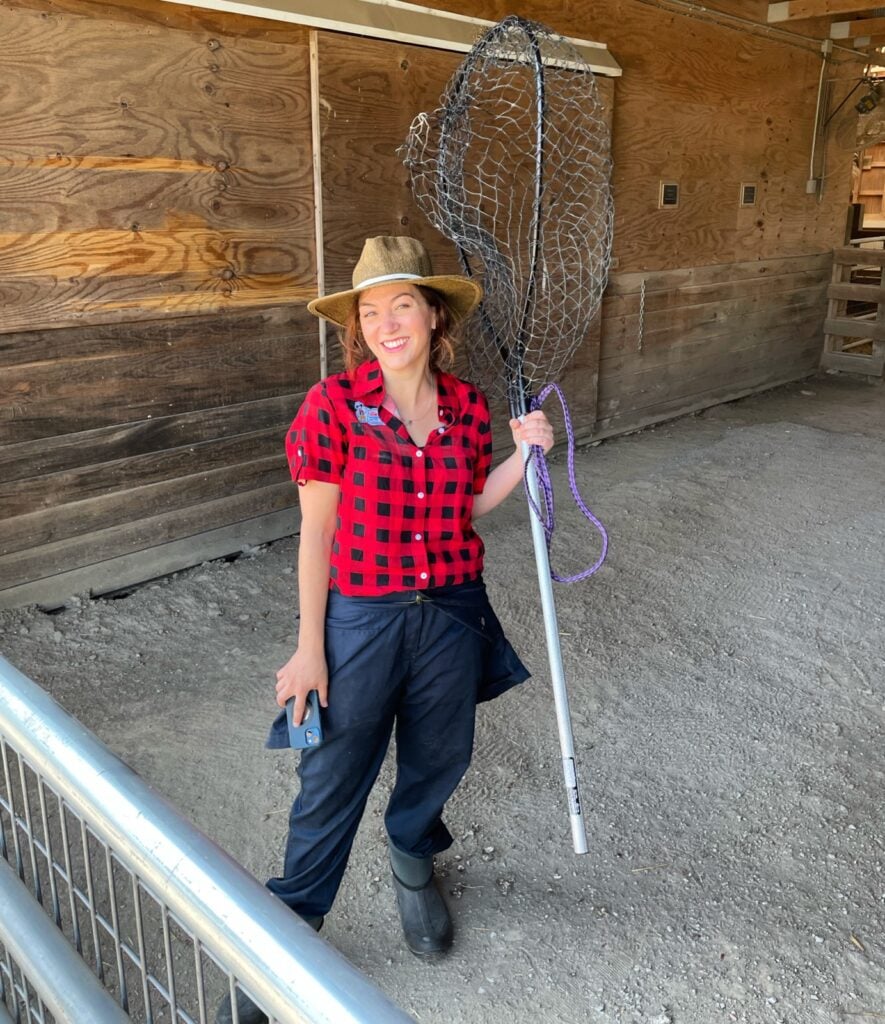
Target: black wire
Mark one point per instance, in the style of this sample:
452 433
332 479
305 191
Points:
859 82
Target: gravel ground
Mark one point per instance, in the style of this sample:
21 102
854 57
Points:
726 677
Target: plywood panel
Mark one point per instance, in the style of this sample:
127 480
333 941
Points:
710 105
369 93
147 170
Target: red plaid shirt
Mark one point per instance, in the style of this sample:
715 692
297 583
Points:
405 514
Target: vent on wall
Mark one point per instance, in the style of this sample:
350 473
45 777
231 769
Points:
669 195
748 195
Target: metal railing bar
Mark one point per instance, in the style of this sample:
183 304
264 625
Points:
4 850
115 924
69 989
32 853
50 858
200 979
19 862
142 955
292 972
136 958
90 898
41 1009
232 994
6 973
167 947
66 845
24 995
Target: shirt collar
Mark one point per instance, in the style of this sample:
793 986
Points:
367 383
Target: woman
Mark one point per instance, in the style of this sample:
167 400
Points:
392 458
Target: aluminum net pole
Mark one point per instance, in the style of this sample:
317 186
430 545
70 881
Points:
557 673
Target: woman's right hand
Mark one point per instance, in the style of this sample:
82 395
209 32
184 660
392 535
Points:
306 670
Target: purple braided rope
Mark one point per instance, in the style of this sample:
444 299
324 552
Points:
546 516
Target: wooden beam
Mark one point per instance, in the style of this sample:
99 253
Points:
391 19
856 29
794 10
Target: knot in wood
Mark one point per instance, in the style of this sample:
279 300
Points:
221 165
213 44
227 274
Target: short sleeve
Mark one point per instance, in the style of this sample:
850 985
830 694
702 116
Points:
483 443
316 444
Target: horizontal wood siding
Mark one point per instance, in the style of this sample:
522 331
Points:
134 436
158 246
156 253
707 334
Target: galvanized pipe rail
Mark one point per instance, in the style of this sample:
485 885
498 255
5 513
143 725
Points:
104 856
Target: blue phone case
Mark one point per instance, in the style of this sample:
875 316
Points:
310 732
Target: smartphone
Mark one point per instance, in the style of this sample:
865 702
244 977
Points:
310 732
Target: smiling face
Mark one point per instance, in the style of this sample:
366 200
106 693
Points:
397 322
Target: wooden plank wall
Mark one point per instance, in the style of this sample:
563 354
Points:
870 188
156 250
707 334
710 105
380 87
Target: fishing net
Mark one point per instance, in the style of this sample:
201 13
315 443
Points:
514 168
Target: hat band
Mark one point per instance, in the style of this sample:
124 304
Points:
386 277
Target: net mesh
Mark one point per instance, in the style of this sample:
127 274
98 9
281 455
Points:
514 168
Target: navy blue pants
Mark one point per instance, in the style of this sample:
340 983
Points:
416 662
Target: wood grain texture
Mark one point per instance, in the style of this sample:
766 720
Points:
369 93
109 376
111 574
30 460
30 532
53 557
706 334
161 15
149 170
710 106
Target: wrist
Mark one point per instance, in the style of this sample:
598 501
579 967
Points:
311 642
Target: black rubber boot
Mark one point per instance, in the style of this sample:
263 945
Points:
427 926
247 1011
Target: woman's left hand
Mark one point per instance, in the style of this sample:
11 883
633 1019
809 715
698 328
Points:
534 429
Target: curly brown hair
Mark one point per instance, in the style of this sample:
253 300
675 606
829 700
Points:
442 340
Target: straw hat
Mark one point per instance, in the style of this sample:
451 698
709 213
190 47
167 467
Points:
389 258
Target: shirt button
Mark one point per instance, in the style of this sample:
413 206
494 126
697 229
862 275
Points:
417 536
419 453
423 575
440 430
420 494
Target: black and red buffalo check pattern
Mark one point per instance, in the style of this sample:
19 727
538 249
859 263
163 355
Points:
405 511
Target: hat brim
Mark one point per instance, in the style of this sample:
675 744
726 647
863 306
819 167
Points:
460 293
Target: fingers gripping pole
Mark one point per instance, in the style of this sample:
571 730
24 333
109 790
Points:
557 675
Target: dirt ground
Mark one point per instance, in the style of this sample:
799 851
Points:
726 678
